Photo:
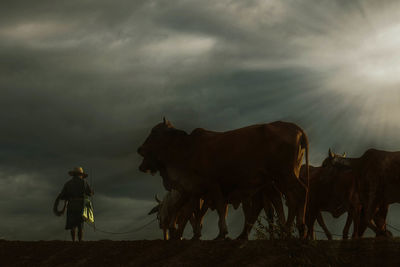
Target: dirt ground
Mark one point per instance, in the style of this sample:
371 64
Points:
365 252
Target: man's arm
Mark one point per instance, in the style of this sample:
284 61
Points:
88 190
64 193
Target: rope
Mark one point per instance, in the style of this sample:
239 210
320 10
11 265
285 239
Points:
324 233
91 175
122 233
394 228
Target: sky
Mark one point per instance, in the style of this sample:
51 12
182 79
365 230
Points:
83 82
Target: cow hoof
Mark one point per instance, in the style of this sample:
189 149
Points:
389 234
195 238
242 237
384 234
220 238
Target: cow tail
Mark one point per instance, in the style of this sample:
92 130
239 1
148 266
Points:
304 143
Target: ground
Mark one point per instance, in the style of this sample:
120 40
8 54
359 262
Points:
365 252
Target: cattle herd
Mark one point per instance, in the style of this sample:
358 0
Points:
258 165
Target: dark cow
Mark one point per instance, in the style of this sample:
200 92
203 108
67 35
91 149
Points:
378 181
238 162
334 191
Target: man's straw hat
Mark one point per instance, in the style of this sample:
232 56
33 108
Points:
78 171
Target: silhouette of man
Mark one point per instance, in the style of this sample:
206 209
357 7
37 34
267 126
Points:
74 192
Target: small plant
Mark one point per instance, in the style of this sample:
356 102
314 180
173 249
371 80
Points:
271 229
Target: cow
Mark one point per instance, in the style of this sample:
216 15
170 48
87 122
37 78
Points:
334 191
170 216
238 162
378 182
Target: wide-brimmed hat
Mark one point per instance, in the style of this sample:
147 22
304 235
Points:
78 171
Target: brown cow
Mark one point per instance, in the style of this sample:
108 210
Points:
378 181
237 162
334 191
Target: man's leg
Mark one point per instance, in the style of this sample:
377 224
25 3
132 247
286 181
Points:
73 233
80 231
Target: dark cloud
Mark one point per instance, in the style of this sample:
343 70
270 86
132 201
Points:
83 82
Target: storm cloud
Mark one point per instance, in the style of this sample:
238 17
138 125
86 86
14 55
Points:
83 82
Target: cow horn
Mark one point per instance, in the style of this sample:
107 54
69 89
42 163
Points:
154 210
156 197
164 120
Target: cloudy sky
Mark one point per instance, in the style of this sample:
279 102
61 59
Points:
83 82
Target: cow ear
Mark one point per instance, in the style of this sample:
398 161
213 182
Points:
169 124
154 210
331 155
344 155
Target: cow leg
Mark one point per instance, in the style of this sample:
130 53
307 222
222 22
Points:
345 233
186 214
276 198
297 200
165 234
222 210
251 209
198 217
194 221
223 228
246 207
181 222
179 216
311 217
362 225
370 203
300 219
380 220
368 216
269 212
172 233
355 213
196 231
289 221
321 223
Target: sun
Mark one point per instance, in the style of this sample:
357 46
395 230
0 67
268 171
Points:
377 58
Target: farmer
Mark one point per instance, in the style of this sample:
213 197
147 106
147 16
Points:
74 192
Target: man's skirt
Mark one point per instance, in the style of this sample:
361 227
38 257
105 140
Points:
74 213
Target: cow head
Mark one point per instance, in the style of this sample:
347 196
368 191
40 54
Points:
156 150
156 208
336 160
160 212
165 212
154 146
